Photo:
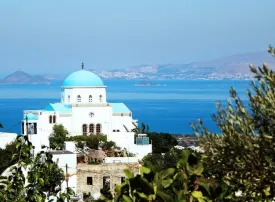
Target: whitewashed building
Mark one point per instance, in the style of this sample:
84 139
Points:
84 110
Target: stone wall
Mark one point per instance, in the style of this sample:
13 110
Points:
97 172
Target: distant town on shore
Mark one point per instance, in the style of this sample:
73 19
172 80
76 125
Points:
226 68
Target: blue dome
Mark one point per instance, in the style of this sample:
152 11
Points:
31 117
82 78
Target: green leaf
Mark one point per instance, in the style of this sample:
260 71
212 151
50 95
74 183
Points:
144 170
267 191
127 198
197 194
128 173
166 183
164 196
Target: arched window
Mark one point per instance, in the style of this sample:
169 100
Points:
91 129
90 98
54 119
98 129
84 129
78 98
50 119
100 98
69 98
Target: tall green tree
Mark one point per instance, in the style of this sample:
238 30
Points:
44 177
58 137
162 142
6 156
243 156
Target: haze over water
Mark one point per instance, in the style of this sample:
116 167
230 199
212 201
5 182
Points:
169 108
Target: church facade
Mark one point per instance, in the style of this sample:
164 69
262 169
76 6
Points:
84 110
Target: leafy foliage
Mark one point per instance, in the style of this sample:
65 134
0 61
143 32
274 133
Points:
58 137
182 183
92 141
243 156
156 161
6 156
44 177
162 142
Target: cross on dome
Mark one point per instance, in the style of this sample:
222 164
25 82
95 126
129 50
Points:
82 65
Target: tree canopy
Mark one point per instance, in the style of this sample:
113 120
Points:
43 176
243 156
58 137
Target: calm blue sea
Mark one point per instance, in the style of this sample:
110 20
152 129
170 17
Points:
169 108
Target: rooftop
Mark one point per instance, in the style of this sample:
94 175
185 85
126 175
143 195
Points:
120 108
83 78
58 107
61 152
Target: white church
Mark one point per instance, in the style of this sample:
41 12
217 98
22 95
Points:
84 110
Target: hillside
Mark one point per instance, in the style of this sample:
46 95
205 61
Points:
20 77
230 67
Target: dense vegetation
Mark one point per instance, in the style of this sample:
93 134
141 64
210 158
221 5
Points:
6 156
58 137
44 177
237 165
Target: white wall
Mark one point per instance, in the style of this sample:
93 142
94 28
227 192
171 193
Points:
71 161
85 93
81 115
120 160
6 138
141 150
70 146
123 139
119 121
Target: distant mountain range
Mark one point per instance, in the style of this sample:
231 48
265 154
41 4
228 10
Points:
20 77
230 67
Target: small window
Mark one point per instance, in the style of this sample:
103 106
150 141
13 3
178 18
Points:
106 182
114 130
117 130
54 119
84 129
90 98
121 114
78 98
89 180
98 128
50 119
122 179
91 129
23 128
130 114
100 98
69 98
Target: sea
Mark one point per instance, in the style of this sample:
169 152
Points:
169 107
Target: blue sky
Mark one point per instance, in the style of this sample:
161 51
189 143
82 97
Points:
56 36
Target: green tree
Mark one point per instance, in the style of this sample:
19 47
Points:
185 182
243 156
43 167
157 161
162 142
92 141
6 156
44 177
58 137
